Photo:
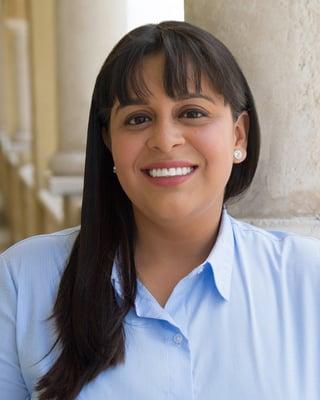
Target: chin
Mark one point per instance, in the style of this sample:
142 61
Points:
170 215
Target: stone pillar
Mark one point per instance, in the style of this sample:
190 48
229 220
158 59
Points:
2 75
276 44
21 138
41 16
86 34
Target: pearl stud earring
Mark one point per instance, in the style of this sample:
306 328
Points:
237 154
114 169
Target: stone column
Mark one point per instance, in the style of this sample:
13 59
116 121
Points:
276 44
85 35
21 138
42 22
2 74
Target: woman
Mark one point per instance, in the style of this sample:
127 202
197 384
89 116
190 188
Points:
161 294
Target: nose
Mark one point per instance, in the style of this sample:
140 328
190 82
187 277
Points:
165 136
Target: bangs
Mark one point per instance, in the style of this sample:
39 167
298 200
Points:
185 64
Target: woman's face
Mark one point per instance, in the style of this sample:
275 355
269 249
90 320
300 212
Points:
174 156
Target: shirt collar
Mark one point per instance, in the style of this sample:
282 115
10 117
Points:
220 259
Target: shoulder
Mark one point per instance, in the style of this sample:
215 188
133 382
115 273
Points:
284 249
39 256
30 273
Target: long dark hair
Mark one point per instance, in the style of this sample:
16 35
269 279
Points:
88 315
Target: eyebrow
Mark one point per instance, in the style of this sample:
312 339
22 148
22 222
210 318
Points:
137 101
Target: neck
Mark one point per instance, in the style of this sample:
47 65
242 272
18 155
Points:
179 245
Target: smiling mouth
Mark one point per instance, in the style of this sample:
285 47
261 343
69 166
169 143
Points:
169 172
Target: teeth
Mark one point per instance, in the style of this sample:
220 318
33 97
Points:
158 172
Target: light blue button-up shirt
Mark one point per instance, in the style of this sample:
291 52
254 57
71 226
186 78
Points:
243 325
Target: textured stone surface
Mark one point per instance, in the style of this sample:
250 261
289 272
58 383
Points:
85 34
277 45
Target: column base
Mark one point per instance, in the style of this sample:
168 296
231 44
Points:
66 185
67 163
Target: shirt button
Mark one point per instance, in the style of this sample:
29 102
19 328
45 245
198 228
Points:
178 338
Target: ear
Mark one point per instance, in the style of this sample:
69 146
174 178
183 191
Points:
241 129
106 138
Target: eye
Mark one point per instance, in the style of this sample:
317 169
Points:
193 114
137 120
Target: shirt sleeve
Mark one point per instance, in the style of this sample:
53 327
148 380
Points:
12 385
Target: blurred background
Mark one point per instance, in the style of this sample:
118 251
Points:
51 52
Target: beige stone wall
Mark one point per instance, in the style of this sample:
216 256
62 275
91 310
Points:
276 44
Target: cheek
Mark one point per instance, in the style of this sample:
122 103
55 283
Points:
215 143
124 151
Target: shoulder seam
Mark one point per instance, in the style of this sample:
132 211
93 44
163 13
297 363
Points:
260 231
269 234
40 236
